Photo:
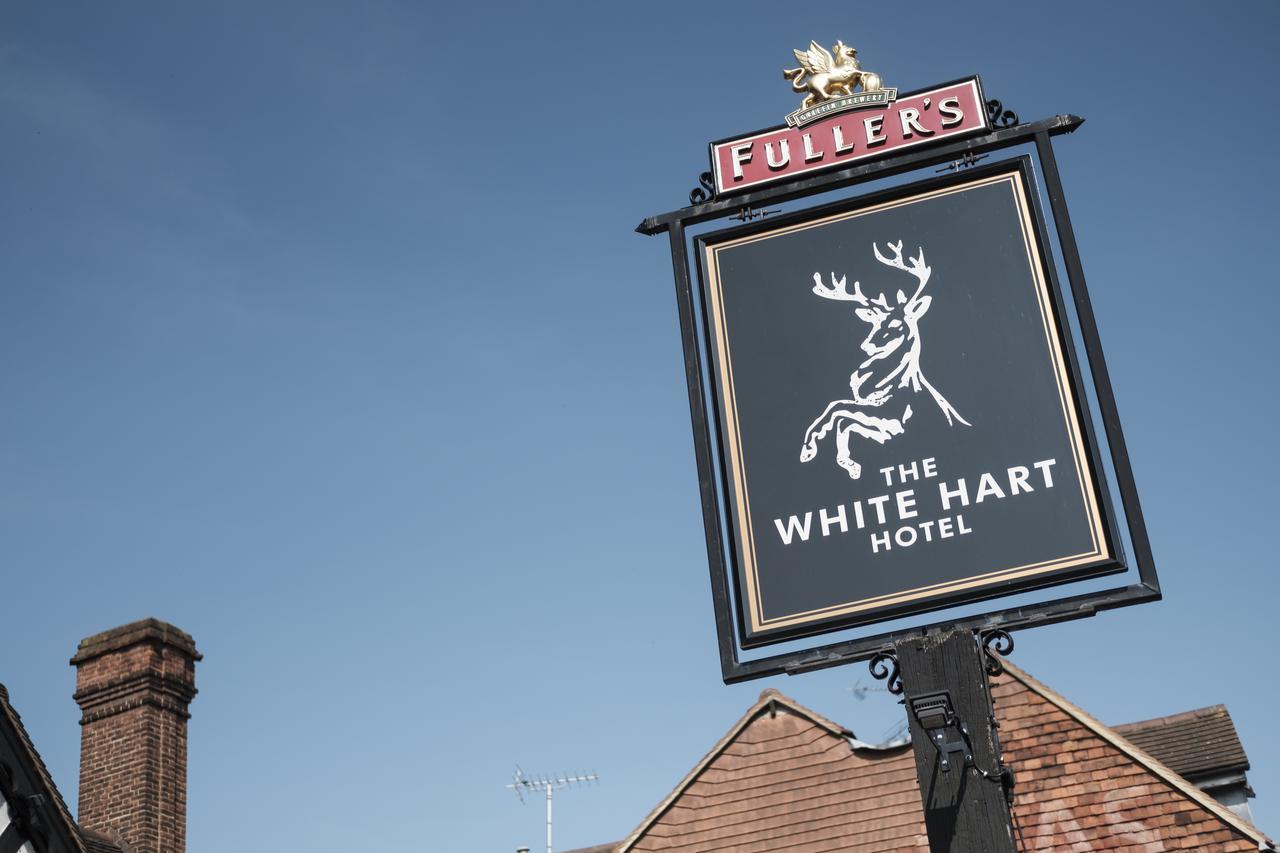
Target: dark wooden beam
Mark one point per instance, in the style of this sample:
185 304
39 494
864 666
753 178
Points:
957 764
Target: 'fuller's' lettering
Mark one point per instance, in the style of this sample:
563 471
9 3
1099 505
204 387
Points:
847 136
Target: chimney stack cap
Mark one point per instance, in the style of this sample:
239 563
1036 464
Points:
135 633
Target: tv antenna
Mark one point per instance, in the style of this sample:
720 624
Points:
523 783
860 690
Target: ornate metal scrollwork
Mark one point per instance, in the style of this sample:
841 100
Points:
999 116
705 191
996 643
884 667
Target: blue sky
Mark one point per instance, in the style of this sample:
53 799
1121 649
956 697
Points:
324 335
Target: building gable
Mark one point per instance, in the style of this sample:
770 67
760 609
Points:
786 779
33 816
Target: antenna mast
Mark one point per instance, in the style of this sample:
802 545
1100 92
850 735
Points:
522 783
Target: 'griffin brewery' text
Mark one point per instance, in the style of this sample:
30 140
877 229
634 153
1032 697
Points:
899 510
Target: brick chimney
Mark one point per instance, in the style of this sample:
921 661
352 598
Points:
133 685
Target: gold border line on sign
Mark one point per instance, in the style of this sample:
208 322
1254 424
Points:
742 502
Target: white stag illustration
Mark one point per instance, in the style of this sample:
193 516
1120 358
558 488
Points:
890 377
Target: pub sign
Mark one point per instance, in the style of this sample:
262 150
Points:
899 400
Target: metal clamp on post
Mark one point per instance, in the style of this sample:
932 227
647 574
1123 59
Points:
933 711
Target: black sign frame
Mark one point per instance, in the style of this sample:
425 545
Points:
1110 561
1066 608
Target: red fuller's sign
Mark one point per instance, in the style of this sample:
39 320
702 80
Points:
838 132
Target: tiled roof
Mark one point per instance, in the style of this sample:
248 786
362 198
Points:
87 843
1082 782
786 779
1195 743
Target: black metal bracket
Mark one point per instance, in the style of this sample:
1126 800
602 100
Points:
704 191
884 667
996 644
999 116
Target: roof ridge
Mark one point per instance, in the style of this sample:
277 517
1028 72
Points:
805 711
1180 717
1140 756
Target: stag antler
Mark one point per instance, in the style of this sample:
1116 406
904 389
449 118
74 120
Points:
917 268
837 290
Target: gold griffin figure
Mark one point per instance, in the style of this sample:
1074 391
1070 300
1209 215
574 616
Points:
829 76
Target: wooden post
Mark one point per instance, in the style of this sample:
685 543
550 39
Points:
964 811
